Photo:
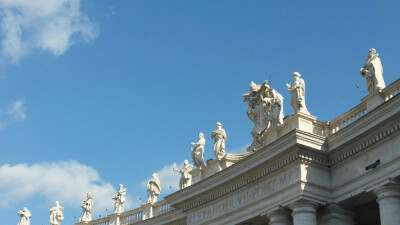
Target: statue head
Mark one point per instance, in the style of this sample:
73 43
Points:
296 75
201 135
219 125
89 195
185 162
120 186
25 209
56 203
253 87
154 175
372 52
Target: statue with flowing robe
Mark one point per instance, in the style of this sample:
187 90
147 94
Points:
186 177
219 136
373 72
297 90
87 207
120 200
198 151
56 214
25 216
153 189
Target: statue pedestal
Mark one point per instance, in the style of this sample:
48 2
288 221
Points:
114 219
373 100
147 211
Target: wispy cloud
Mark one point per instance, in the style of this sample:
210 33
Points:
238 150
65 181
169 179
51 26
15 112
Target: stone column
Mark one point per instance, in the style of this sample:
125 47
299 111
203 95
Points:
114 219
304 213
334 214
280 217
389 203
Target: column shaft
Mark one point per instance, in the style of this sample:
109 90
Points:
280 217
389 204
304 213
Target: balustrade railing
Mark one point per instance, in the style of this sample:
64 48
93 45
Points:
102 221
348 117
161 208
391 90
131 217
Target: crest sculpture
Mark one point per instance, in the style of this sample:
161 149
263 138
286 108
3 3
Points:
56 214
25 216
198 151
153 189
265 111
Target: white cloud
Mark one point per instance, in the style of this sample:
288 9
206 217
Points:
51 26
169 179
15 112
238 150
65 181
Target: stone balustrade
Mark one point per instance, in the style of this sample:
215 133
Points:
391 90
161 207
131 216
102 221
348 117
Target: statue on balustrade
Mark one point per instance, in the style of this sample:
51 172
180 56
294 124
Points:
87 207
153 189
265 111
120 199
186 177
372 72
297 89
198 151
25 216
56 214
219 136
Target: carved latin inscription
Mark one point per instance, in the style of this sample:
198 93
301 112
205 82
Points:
246 197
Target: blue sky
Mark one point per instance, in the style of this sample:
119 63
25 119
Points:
98 93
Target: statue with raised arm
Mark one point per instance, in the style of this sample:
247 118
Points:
372 72
219 136
186 177
298 89
25 216
120 199
87 207
198 151
153 189
56 214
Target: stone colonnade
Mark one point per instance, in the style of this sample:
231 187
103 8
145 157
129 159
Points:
305 212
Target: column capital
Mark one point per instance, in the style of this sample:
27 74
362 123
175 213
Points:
387 191
335 213
303 206
280 216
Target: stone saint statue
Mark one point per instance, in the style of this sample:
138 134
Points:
119 199
25 216
198 151
56 214
265 111
372 72
219 136
87 207
186 178
153 189
297 89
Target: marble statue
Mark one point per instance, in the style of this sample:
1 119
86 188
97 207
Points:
120 199
219 136
186 177
372 72
265 111
25 216
153 189
87 207
56 214
297 89
198 151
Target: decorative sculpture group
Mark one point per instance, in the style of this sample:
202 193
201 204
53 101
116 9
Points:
153 189
265 111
